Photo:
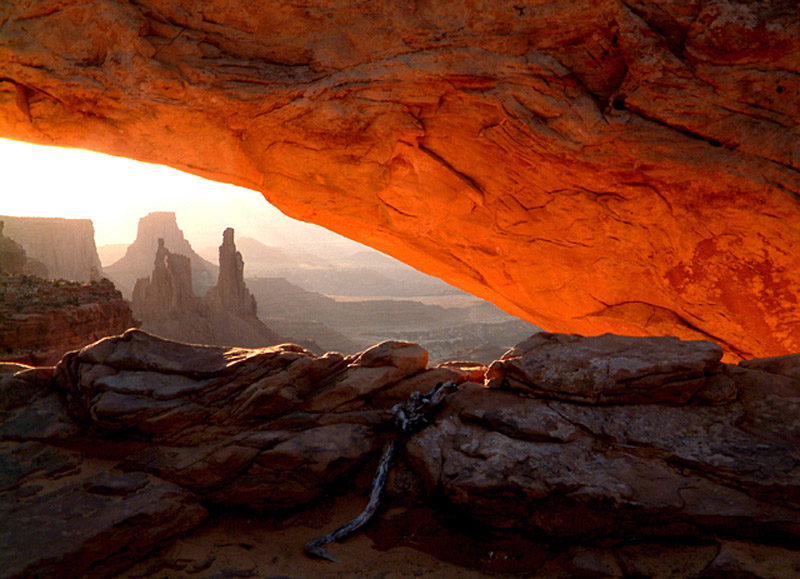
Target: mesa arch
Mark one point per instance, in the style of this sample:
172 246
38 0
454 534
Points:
628 166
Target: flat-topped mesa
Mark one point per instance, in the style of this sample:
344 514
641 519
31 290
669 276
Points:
626 167
138 259
230 293
55 247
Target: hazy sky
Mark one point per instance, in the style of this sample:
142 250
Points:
115 192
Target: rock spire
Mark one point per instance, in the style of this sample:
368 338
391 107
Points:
230 293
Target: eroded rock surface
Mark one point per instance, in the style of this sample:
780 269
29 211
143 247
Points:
60 519
40 320
137 262
591 166
231 294
690 466
267 428
606 369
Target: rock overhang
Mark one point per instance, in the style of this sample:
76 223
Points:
589 167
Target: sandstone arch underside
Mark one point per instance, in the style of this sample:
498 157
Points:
591 166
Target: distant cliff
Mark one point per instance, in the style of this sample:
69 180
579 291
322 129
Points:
40 320
65 246
138 260
167 306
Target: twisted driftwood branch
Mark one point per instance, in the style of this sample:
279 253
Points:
408 419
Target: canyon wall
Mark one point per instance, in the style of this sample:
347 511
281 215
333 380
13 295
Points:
590 166
65 246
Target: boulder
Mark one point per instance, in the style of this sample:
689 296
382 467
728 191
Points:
606 369
572 469
127 442
60 519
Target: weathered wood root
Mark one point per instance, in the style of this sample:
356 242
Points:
408 418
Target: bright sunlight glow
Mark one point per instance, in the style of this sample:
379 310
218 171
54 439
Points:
114 192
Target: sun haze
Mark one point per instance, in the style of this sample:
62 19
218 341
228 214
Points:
114 192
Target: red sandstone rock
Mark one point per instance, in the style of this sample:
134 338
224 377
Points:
590 166
41 320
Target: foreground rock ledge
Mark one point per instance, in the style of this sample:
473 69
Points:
643 455
589 166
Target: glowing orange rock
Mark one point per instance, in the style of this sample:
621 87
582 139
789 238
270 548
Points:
591 166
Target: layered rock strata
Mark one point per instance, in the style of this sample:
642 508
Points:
40 320
589 166
64 248
695 473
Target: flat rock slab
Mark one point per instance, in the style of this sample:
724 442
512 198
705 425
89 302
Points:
63 518
567 470
607 369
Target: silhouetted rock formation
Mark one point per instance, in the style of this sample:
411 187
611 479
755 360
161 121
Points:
41 319
230 294
168 290
168 307
56 247
138 260
692 471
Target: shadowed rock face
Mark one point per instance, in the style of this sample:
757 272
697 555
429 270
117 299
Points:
590 166
128 441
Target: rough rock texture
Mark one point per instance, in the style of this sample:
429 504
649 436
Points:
138 259
688 450
231 294
226 316
590 166
65 247
40 320
267 428
540 486
606 369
